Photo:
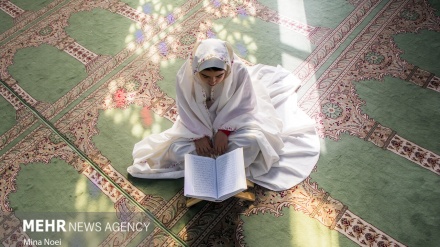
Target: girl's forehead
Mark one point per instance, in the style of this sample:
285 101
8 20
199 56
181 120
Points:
211 73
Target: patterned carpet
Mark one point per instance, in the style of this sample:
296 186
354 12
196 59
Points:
83 80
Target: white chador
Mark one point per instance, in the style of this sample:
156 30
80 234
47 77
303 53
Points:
257 104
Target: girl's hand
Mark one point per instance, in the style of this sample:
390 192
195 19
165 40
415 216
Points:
203 146
220 143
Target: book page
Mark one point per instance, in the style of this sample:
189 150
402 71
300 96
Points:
230 172
200 179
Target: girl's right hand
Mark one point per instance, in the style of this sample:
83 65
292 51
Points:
204 146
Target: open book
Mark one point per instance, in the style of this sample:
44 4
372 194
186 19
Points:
215 179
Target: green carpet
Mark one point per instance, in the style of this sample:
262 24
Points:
82 81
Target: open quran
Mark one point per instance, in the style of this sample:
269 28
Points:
215 179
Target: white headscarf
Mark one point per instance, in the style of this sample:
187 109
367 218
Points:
234 98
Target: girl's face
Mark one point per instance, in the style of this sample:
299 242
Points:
212 77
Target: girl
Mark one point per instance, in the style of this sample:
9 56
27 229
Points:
224 104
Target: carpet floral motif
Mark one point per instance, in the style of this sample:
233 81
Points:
377 57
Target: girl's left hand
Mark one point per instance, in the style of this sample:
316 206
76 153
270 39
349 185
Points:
220 143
